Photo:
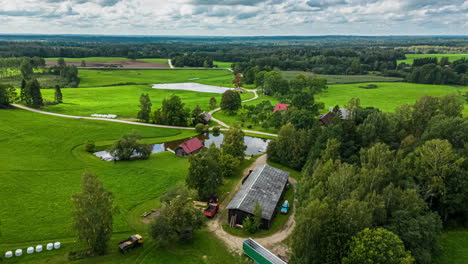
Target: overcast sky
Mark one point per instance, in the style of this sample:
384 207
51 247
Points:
235 17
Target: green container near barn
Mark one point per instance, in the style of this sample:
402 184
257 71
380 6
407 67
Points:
259 254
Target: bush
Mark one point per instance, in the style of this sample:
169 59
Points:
248 225
90 146
369 86
200 128
217 129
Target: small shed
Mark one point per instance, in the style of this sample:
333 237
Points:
206 118
191 146
326 118
280 107
259 254
266 186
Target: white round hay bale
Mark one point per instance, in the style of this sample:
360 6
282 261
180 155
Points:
39 248
30 250
57 245
18 252
8 254
50 246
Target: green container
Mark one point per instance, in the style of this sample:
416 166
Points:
259 254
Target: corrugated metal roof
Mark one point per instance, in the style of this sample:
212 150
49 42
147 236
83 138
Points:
265 186
272 258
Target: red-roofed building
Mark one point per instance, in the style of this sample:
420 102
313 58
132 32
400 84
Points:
280 107
190 146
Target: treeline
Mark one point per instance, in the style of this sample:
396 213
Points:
192 60
430 71
402 175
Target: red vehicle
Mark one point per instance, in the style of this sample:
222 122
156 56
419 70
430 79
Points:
211 210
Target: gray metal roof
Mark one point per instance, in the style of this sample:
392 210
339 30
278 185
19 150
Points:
265 186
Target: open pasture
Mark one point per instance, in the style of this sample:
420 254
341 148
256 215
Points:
122 100
452 57
97 78
341 79
387 96
42 169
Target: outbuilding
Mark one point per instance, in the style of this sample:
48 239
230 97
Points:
265 186
191 146
280 107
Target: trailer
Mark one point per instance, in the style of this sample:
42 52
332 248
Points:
130 243
259 254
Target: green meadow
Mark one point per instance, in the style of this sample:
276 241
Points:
388 96
410 57
97 78
122 100
222 64
42 169
340 79
453 248
95 59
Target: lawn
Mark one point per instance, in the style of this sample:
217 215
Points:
122 100
222 64
98 78
42 169
452 57
387 97
454 248
341 79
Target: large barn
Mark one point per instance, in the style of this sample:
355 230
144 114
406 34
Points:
265 185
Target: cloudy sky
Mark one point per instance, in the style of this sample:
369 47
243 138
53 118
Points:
235 17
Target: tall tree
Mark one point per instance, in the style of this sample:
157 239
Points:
213 103
7 95
58 95
145 108
172 112
128 146
31 93
204 174
238 80
231 101
92 218
26 69
233 143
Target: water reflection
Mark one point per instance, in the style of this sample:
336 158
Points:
254 145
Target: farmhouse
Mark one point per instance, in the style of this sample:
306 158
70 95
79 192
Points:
265 185
191 146
326 118
280 107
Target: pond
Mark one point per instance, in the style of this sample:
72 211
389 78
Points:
254 145
196 87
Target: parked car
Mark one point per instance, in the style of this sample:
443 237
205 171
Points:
285 207
211 210
130 243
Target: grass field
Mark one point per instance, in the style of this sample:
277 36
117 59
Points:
222 64
387 96
454 245
42 169
341 79
122 100
452 57
95 59
97 78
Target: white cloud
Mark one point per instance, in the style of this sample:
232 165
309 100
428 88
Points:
235 17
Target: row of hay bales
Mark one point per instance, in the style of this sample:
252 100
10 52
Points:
31 250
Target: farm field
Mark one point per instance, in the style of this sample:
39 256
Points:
97 78
222 64
341 79
387 96
39 175
410 57
96 59
122 100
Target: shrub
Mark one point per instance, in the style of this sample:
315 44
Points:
200 128
90 146
369 86
217 129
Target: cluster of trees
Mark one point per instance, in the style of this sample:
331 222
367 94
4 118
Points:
129 146
209 167
402 175
172 112
192 60
7 95
14 63
428 71
68 73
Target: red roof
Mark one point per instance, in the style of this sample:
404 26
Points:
326 119
191 145
279 107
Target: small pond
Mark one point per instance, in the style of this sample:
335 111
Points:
254 145
196 87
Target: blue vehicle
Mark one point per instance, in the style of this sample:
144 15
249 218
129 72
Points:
285 207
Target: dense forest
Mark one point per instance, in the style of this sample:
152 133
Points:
405 172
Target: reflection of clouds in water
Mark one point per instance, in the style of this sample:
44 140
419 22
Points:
254 145
196 87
